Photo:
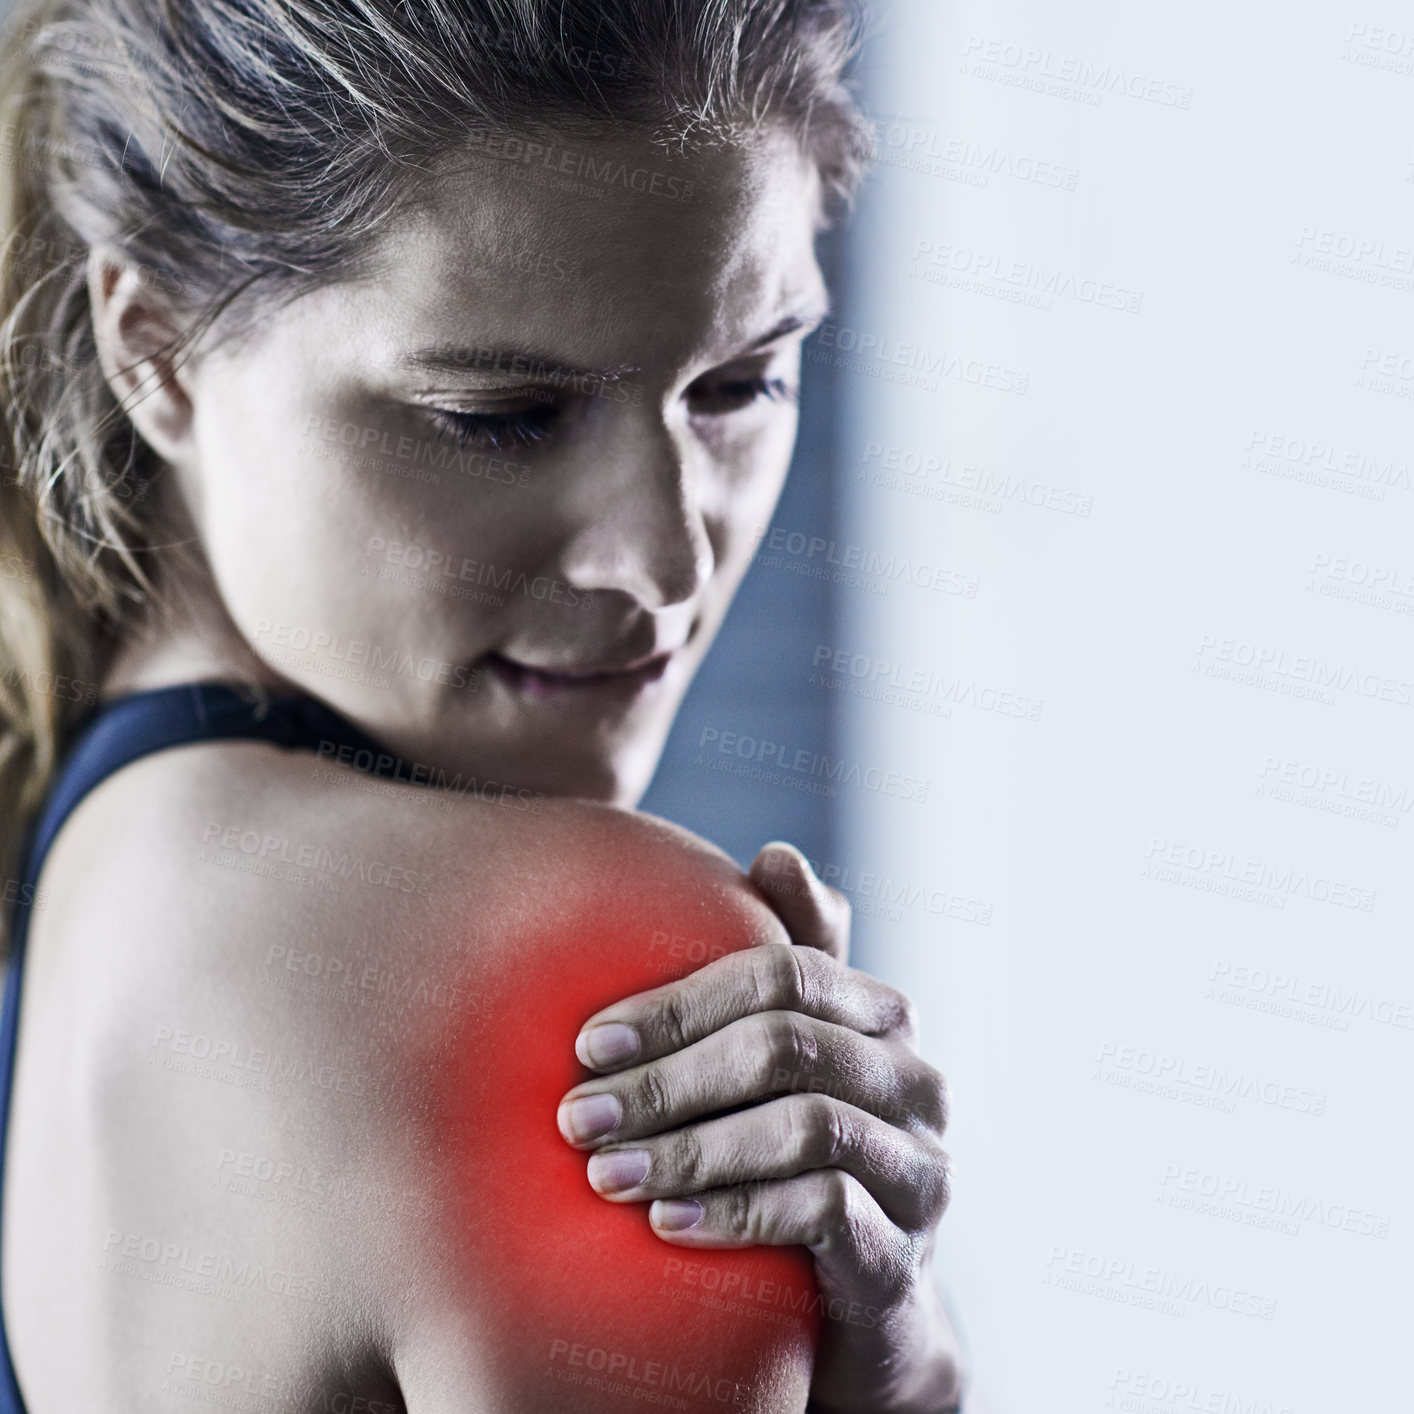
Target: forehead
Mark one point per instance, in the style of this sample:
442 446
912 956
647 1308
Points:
605 251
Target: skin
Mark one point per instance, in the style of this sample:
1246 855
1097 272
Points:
641 501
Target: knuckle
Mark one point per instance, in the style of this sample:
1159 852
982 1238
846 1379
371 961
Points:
780 983
816 1134
674 1021
738 1212
894 1014
655 1093
930 1184
687 1159
835 1205
905 1014
789 1049
942 1186
936 1098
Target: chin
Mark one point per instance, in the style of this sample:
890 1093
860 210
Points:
611 767
615 782
608 778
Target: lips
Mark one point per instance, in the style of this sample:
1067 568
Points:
533 680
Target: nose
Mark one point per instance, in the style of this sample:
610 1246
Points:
640 527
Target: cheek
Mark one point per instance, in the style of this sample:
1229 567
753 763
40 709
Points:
337 522
744 495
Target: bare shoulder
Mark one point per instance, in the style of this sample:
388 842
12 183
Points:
259 996
247 881
218 849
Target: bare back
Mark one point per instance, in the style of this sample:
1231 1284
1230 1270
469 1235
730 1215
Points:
284 1115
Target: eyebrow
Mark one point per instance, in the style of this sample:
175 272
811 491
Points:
806 318
458 359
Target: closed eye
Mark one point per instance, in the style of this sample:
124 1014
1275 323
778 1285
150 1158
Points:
495 430
716 396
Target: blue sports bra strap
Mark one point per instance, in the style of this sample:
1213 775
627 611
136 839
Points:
117 733
131 727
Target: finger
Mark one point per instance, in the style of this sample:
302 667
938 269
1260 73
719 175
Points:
772 977
905 1175
856 1248
770 1053
815 915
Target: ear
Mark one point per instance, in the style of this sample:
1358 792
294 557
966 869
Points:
137 332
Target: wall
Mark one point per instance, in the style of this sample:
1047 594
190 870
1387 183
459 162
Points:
750 705
1129 352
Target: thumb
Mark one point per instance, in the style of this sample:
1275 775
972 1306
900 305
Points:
815 915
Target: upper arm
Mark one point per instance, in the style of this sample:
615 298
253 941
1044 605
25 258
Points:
577 1303
193 1173
332 1031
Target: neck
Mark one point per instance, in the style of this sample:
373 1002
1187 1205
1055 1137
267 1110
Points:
184 634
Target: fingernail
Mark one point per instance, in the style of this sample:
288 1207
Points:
608 1044
674 1214
613 1172
590 1116
783 857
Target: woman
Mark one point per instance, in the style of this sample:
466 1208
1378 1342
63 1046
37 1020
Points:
393 390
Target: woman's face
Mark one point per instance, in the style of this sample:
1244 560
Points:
491 499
